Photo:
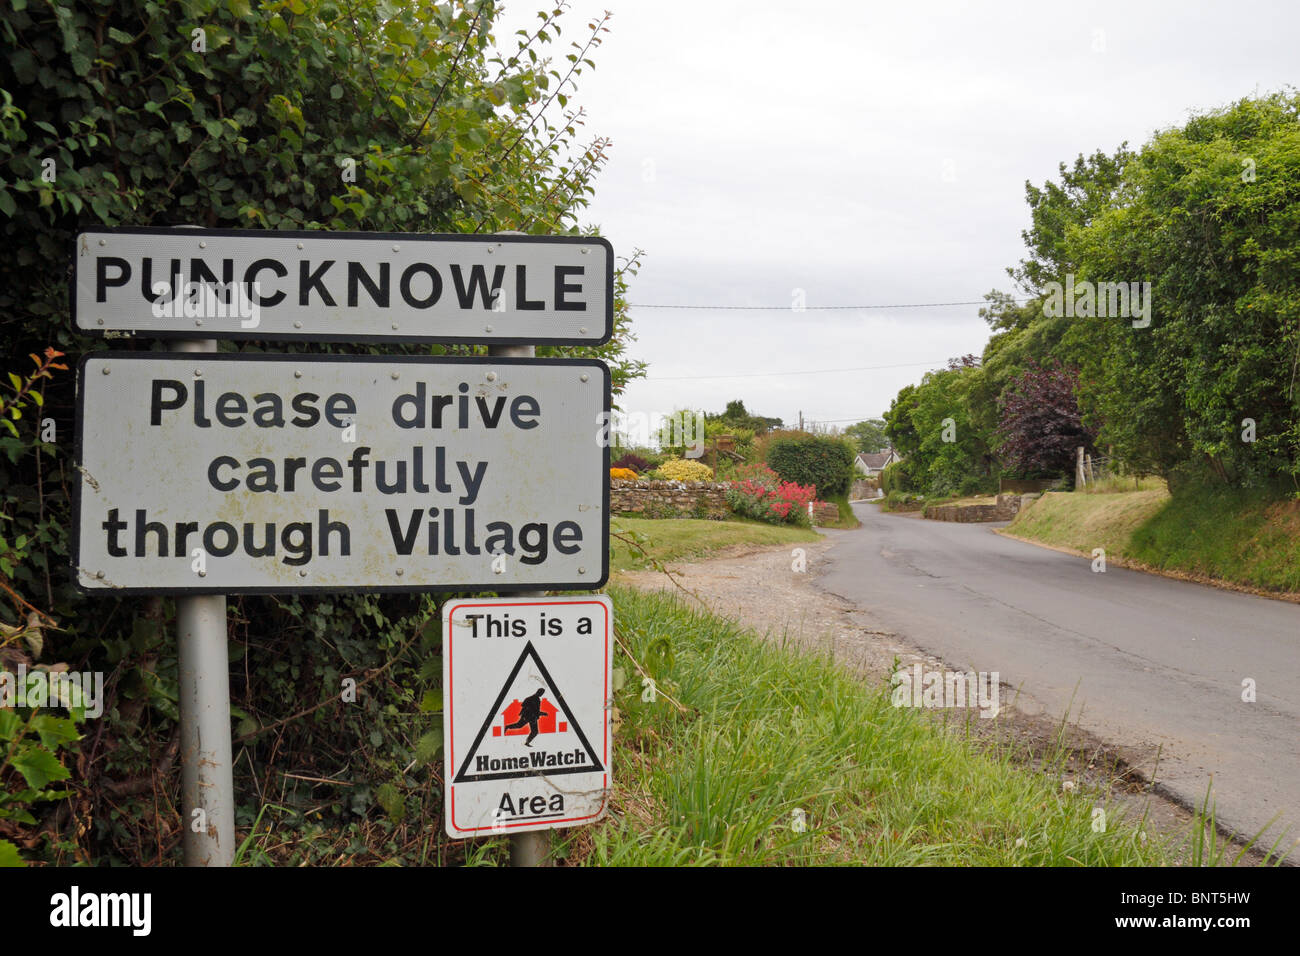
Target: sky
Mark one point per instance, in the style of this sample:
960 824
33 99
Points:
864 153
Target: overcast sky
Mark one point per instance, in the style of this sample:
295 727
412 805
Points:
866 153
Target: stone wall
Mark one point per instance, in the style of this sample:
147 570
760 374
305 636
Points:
1019 486
1006 508
862 488
668 499
825 512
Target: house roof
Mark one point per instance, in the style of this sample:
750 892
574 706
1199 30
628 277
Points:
876 459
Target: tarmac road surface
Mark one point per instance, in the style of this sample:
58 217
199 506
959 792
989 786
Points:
1138 659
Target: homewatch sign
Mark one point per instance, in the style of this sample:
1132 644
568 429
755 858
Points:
527 723
346 286
227 473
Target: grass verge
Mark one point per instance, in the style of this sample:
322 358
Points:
847 520
744 741
674 539
1219 534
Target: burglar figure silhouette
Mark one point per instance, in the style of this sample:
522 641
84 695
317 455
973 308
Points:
530 712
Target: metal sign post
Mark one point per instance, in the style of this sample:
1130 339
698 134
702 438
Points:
207 780
532 848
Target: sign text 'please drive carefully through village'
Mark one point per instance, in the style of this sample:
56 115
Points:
260 473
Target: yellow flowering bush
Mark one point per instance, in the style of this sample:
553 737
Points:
623 474
679 469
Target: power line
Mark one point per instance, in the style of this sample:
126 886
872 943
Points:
810 308
808 371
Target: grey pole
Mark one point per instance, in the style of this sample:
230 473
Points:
207 781
534 847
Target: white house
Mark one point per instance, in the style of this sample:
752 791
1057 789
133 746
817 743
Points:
874 463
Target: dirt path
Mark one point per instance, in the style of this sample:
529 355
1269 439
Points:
761 589
756 587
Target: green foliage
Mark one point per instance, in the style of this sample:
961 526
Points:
869 436
899 428
735 417
822 461
894 477
112 113
1209 215
33 745
936 425
902 501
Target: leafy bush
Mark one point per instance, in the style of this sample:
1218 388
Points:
679 469
111 116
633 462
902 501
895 477
623 474
818 460
760 494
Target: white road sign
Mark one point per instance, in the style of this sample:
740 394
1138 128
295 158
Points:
228 473
526 685
346 286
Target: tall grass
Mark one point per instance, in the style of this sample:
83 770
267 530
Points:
1116 484
636 542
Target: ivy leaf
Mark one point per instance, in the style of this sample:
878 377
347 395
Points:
8 852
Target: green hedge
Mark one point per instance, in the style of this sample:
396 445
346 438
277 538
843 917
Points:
895 478
816 460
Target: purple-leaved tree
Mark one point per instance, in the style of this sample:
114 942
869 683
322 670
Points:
1039 421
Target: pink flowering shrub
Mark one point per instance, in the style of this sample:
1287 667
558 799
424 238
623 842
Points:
757 492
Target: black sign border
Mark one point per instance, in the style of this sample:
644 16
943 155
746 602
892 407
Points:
240 335
439 360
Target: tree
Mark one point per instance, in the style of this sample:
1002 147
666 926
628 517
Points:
1041 427
1209 215
869 436
1084 192
899 427
737 416
934 427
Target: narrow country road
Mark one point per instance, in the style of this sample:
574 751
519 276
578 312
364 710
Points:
1138 659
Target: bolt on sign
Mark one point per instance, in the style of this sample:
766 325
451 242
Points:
345 286
233 473
527 685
